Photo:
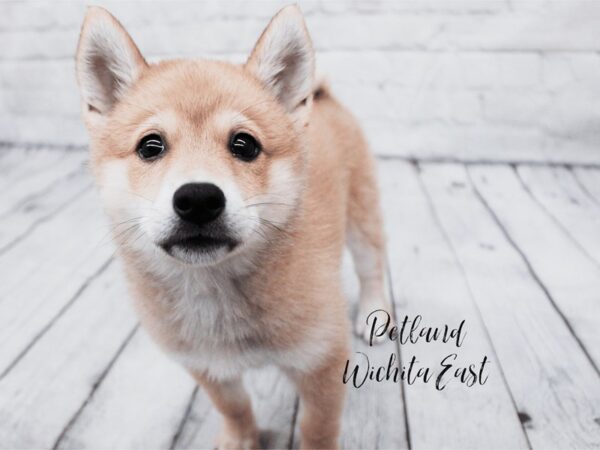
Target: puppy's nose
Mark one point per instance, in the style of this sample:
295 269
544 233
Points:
199 203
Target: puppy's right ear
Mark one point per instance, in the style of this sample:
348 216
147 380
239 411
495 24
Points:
107 63
283 59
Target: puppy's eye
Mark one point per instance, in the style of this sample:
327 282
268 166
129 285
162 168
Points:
151 147
244 147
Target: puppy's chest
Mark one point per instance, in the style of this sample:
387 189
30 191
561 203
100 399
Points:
211 312
212 327
212 318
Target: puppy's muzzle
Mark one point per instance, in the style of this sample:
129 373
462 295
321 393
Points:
199 203
199 230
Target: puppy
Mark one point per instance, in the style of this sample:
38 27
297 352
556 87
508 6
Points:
231 190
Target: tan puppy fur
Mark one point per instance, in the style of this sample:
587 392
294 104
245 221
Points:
273 295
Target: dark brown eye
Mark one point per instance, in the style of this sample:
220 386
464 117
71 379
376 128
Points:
244 147
151 147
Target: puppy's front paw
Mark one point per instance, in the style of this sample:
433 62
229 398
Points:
374 316
229 440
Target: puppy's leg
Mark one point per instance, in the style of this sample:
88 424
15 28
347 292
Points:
322 400
230 398
365 238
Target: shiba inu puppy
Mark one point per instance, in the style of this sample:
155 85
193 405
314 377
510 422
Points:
231 190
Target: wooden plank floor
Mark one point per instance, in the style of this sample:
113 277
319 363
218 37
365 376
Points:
514 251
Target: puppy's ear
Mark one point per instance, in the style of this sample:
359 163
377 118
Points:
284 60
107 63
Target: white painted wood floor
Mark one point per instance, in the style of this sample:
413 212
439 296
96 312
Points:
514 251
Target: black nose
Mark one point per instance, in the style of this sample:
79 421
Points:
199 203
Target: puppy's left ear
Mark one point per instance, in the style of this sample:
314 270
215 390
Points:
107 63
283 59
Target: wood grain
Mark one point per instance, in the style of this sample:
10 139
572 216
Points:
571 280
46 271
139 404
43 392
558 193
589 180
531 340
427 281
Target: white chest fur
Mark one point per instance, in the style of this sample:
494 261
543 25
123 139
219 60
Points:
213 327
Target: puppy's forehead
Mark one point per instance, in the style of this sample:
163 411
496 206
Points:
198 88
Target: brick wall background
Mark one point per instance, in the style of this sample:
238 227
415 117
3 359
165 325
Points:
509 80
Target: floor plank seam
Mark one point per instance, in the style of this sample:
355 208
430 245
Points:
184 419
554 220
465 278
94 388
584 188
42 220
56 317
399 354
294 422
42 191
533 273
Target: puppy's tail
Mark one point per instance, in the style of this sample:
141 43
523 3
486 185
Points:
321 88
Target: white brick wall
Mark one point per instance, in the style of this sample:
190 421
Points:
517 80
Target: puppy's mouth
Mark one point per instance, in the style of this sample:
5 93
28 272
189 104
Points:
186 240
198 243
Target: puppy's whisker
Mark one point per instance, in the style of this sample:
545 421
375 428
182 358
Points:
116 231
258 219
122 233
269 203
111 231
260 232
133 219
139 235
266 195
273 225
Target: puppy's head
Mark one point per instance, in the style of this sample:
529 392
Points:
200 160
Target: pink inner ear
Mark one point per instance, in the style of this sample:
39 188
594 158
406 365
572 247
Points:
108 81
